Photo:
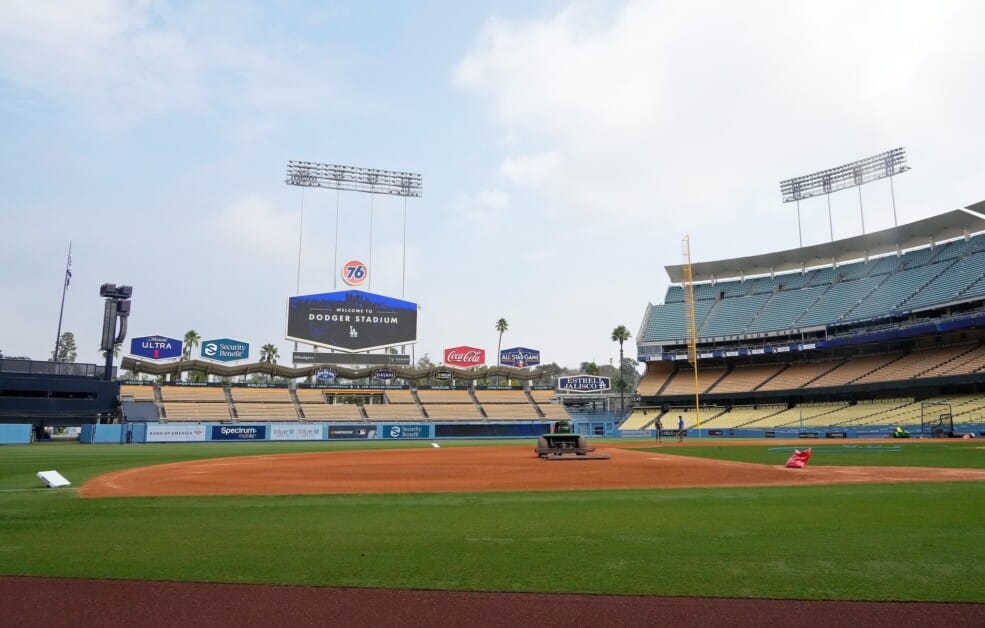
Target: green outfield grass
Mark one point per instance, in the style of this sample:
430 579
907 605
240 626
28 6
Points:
868 542
964 454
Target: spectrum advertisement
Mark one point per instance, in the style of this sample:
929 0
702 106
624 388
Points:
239 432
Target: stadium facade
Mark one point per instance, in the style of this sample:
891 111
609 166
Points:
894 318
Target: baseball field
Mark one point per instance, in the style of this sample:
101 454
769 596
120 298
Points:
487 528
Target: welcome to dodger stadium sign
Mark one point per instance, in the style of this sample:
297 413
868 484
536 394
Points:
351 320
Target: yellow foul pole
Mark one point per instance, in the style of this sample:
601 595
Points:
692 327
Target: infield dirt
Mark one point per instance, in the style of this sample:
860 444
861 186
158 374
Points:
467 469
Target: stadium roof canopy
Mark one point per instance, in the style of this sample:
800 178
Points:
926 232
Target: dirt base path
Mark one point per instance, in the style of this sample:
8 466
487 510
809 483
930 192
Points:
57 603
457 469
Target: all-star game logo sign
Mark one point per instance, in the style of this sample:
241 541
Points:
355 272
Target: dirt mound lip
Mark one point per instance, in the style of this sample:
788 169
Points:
468 469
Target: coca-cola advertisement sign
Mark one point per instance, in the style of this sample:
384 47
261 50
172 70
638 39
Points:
465 357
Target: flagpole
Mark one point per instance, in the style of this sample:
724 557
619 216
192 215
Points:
61 311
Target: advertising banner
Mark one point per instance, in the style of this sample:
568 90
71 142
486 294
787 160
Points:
583 383
351 320
385 374
406 431
175 433
155 347
497 430
296 432
225 350
465 357
368 359
325 374
520 357
354 273
239 432
352 431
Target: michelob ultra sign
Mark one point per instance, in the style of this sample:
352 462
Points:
155 347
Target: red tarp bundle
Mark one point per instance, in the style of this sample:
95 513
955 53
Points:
799 459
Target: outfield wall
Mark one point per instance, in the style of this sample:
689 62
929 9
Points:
283 431
15 434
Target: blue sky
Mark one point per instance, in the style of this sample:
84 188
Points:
566 149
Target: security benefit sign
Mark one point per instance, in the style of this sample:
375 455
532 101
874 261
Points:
583 383
351 320
519 357
155 347
225 350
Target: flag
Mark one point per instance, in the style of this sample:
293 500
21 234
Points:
68 270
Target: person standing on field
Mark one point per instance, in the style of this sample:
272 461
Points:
680 429
660 428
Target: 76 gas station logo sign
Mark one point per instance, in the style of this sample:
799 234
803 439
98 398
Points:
355 272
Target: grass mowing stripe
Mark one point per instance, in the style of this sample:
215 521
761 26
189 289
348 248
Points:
896 453
858 542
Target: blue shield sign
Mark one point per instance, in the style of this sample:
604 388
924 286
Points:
155 347
583 383
225 350
325 374
519 357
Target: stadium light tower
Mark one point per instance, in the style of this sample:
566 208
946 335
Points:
117 307
854 174
310 174
352 179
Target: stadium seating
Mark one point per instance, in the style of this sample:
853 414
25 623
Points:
549 405
657 374
331 412
263 404
640 419
918 278
193 393
798 375
506 404
138 393
744 378
196 411
683 381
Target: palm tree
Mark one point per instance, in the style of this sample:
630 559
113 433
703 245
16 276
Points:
268 354
621 334
501 326
192 340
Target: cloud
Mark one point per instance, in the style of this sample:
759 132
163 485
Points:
251 227
486 208
125 61
691 113
530 170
